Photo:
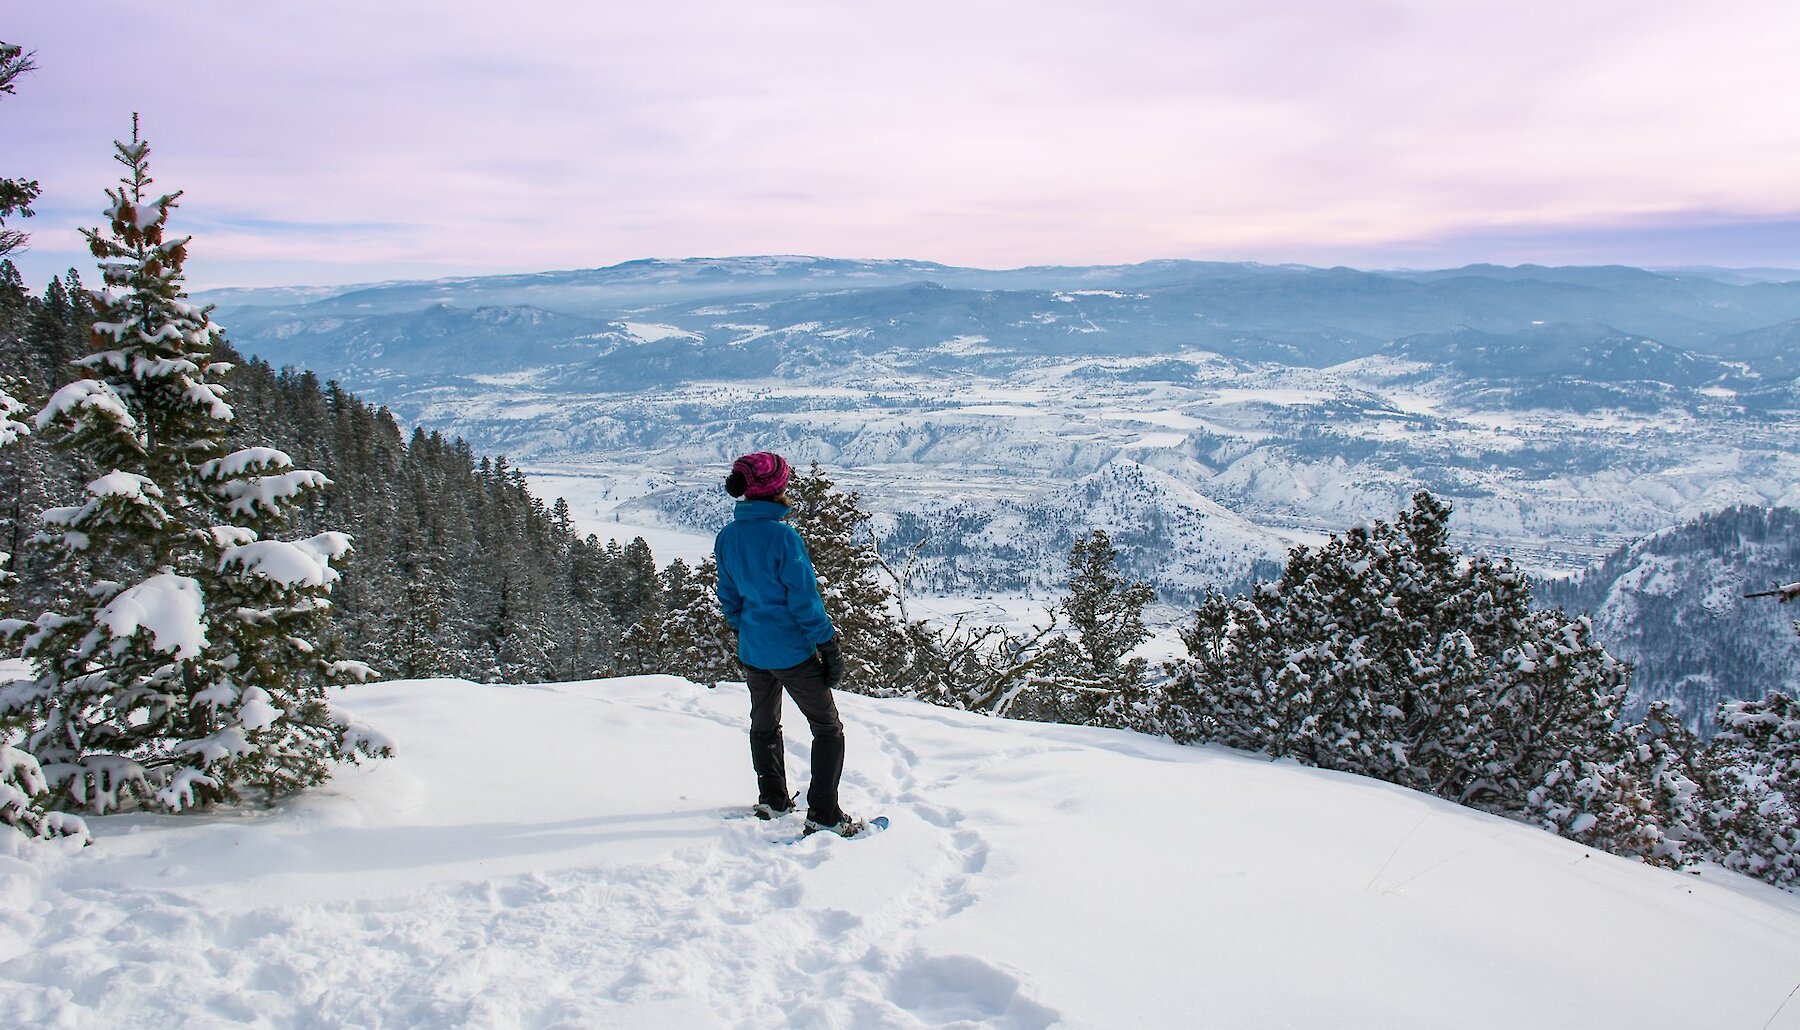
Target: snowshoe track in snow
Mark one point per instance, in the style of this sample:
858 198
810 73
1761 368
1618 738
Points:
717 929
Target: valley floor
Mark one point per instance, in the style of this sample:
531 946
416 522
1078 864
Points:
560 856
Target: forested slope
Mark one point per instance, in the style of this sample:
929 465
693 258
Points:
1673 605
457 569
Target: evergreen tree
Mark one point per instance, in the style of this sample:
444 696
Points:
636 588
23 788
183 669
416 647
593 634
696 641
836 530
1086 679
641 645
32 476
16 195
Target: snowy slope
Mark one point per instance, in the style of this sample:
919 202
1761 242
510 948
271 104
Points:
556 856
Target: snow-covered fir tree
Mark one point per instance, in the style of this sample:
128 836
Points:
184 667
641 644
415 647
696 641
632 586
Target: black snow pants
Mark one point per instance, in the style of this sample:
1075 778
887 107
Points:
805 683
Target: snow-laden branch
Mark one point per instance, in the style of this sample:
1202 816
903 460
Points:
86 395
11 428
300 563
271 494
169 606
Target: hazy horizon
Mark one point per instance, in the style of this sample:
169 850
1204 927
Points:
1758 273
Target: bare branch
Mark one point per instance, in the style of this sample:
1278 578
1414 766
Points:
1786 593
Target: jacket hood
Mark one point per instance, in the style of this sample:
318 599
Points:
760 511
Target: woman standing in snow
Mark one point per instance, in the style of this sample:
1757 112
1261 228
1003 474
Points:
770 596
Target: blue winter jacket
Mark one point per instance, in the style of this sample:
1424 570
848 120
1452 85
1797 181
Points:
768 589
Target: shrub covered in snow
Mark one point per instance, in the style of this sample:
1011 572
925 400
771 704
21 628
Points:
1386 653
1758 749
1647 798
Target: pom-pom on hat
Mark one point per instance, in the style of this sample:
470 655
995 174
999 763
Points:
758 476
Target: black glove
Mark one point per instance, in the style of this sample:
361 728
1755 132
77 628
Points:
831 657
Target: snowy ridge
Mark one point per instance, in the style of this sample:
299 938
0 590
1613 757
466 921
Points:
1035 875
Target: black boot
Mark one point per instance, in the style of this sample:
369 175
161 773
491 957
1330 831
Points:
827 766
769 759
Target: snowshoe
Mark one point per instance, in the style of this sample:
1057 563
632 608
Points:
844 827
765 811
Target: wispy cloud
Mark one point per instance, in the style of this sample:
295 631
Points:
352 141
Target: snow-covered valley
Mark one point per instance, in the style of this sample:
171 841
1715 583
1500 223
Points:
1562 411
562 855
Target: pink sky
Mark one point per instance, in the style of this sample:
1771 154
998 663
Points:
331 142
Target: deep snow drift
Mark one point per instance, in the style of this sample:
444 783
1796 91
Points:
559 855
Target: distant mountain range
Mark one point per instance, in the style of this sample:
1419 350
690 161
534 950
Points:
746 315
1208 415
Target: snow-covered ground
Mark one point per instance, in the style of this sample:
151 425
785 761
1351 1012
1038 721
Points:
560 856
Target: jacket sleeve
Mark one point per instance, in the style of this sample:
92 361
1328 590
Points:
731 601
803 600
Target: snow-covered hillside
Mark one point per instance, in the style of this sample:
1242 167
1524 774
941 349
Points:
1673 604
560 855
